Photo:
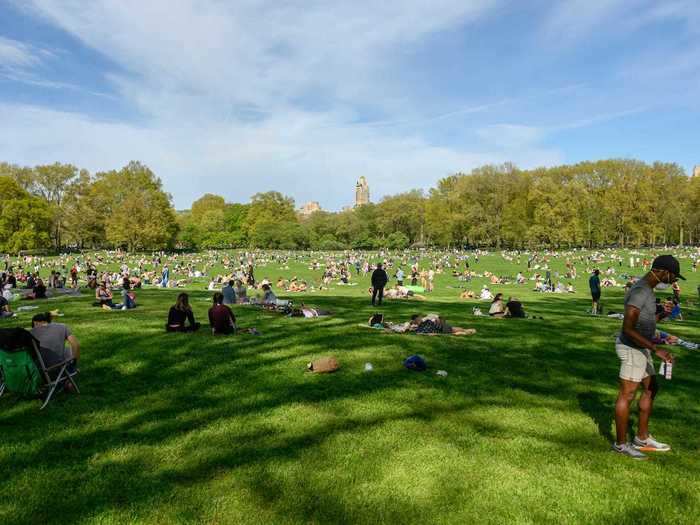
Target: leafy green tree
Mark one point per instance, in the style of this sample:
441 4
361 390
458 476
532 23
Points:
138 213
25 220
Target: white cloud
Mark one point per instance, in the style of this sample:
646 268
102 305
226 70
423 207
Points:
292 152
239 97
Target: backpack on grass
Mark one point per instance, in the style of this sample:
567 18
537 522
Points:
323 365
19 373
415 362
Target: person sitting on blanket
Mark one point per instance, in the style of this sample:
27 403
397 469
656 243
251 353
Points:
486 293
128 296
433 324
269 296
297 286
52 339
38 292
497 308
221 318
241 292
180 315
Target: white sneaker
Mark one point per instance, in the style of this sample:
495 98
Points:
650 445
628 450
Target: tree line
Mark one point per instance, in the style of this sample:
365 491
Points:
591 204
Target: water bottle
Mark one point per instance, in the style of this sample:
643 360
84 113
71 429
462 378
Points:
666 370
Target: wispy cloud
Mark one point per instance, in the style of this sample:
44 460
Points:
15 54
303 97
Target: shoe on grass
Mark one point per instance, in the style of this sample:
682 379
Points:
626 449
650 445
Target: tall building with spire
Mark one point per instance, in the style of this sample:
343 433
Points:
361 192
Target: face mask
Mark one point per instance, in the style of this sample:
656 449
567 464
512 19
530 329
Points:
661 285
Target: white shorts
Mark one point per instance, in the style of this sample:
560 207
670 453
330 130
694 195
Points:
635 364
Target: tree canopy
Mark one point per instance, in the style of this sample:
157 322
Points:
590 204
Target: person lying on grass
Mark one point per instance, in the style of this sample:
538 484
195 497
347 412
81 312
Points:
221 318
400 292
664 338
433 324
430 324
307 311
181 317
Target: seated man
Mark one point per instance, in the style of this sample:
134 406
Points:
221 318
228 293
52 339
514 308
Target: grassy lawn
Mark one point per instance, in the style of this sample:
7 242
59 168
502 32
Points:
189 428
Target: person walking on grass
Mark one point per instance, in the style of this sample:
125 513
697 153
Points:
379 280
594 284
634 347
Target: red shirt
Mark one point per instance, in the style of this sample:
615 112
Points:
221 318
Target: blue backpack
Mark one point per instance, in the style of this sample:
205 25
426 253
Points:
415 362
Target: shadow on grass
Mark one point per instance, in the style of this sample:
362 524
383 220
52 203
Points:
601 410
146 391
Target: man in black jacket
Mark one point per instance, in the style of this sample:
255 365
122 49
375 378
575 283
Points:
379 280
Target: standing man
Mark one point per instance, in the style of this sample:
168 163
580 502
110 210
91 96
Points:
165 277
594 284
399 276
634 348
379 280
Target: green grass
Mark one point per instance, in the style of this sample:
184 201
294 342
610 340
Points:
188 428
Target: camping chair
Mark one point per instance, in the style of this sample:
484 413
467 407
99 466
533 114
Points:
15 340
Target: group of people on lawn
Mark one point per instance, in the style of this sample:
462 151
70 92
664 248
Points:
635 344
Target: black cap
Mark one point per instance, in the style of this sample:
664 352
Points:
668 263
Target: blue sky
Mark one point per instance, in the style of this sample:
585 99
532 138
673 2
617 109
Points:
304 97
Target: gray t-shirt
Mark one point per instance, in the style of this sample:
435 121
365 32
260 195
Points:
52 340
229 294
641 296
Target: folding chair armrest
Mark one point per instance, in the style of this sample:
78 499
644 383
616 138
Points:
58 365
